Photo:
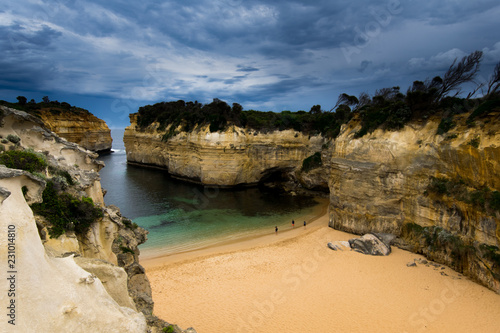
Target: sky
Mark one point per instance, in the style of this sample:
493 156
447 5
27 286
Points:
111 57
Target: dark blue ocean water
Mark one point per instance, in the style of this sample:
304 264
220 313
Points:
182 216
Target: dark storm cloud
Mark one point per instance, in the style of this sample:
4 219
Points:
242 68
259 52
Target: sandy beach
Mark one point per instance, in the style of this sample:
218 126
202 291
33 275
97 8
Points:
292 282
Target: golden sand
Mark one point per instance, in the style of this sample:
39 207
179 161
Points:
292 282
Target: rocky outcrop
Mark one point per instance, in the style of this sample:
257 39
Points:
372 244
236 156
381 183
75 282
52 294
79 126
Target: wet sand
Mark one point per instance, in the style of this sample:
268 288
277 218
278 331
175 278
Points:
292 282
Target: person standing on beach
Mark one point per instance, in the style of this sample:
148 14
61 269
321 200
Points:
305 224
276 229
293 224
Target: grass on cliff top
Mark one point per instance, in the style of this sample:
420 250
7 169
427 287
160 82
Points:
65 212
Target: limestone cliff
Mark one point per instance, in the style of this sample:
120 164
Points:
232 157
438 193
383 182
81 127
74 282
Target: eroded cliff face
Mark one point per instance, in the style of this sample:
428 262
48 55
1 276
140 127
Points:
75 282
380 183
80 127
233 157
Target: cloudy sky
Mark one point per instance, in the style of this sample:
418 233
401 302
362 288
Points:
113 56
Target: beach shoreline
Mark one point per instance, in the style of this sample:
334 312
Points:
149 259
296 284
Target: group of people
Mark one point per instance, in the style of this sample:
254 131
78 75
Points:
293 226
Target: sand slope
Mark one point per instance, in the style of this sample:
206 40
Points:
294 283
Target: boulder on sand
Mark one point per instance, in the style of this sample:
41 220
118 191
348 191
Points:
373 244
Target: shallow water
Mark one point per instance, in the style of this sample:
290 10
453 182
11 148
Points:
181 216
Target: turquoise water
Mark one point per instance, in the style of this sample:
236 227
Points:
182 217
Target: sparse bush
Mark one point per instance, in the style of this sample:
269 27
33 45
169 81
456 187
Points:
474 142
125 249
484 108
168 329
13 138
129 224
445 125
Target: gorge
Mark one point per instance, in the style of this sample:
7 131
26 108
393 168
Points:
437 192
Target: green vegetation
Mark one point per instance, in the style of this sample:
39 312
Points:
482 198
65 212
312 162
388 109
485 108
474 142
445 125
24 160
34 108
61 176
168 329
125 249
491 252
219 115
13 138
437 239
129 224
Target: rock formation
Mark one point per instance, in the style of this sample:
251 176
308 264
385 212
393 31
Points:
371 244
381 182
75 282
384 182
81 127
236 156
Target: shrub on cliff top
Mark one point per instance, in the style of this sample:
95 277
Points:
218 115
66 212
24 160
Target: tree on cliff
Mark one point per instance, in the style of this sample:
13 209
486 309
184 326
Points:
22 100
494 83
459 73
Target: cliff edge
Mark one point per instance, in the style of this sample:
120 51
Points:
74 261
231 157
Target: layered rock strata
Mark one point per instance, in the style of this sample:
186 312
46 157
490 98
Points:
380 183
377 183
81 127
236 156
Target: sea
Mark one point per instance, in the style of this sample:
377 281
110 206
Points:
182 216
